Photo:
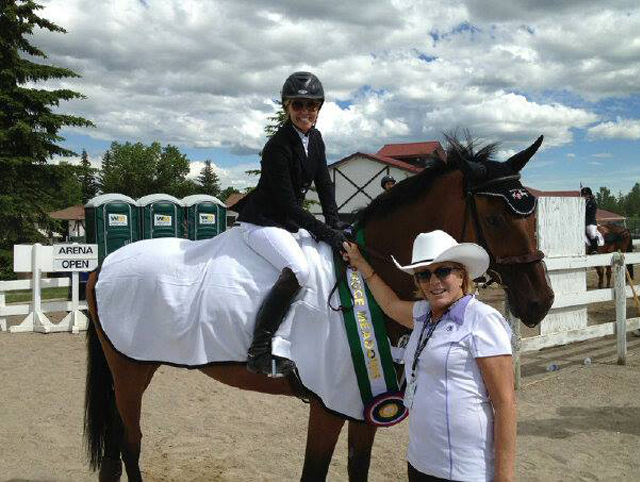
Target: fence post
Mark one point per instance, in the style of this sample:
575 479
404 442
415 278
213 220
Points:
516 342
620 291
3 320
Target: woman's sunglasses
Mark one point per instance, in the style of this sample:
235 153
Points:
310 105
441 273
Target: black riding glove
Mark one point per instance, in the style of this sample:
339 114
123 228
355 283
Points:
337 240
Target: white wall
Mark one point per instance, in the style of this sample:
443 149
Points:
359 170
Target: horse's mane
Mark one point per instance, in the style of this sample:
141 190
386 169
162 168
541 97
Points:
407 190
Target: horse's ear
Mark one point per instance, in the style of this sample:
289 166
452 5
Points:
519 160
474 172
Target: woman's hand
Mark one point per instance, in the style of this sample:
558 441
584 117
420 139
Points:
353 256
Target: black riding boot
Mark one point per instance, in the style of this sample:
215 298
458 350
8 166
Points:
270 316
594 246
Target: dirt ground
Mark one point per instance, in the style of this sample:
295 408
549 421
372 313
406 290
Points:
579 423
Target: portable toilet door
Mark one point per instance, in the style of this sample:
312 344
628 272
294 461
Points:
222 215
111 222
161 216
203 218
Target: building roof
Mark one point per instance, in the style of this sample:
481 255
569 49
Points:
390 161
539 193
234 198
601 214
605 215
72 213
412 149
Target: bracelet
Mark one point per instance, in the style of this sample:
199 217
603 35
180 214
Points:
367 278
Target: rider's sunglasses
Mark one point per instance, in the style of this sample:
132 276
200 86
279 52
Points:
441 273
310 105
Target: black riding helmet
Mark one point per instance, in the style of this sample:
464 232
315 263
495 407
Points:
385 180
586 191
302 85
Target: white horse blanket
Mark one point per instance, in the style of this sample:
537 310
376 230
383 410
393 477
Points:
191 303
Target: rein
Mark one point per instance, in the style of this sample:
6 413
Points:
498 261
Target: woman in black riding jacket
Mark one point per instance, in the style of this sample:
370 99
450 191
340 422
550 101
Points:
291 160
590 218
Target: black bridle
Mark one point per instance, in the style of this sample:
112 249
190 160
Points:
495 261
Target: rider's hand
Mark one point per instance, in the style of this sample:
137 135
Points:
337 240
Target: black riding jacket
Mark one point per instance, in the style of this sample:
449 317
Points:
286 175
590 212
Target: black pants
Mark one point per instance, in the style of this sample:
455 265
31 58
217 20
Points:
417 476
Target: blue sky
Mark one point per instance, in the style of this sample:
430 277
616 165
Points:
203 75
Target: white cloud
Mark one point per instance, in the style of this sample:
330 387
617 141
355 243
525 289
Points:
619 129
229 177
602 155
204 73
571 155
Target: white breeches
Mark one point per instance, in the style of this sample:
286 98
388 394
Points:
279 247
592 231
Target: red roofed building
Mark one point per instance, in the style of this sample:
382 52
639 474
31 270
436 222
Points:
602 215
415 153
357 177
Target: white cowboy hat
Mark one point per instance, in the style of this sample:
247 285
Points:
438 246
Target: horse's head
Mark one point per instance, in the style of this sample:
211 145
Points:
499 216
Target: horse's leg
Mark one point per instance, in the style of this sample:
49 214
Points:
130 380
111 466
608 276
130 384
600 271
361 437
322 435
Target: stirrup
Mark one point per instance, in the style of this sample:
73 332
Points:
270 365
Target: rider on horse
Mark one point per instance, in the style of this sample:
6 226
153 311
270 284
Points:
387 182
291 160
590 218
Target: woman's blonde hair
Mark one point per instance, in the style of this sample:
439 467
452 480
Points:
467 283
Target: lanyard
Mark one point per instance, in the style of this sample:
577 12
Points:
423 343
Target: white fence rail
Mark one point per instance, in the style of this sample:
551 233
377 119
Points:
560 234
36 320
565 303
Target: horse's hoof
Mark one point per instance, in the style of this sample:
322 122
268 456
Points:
110 470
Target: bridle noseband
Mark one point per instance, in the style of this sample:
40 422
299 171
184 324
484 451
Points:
471 191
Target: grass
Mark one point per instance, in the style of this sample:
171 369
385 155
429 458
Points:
26 295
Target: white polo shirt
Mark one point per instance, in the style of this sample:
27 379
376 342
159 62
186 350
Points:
451 420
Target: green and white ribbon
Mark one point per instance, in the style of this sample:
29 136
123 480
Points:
367 336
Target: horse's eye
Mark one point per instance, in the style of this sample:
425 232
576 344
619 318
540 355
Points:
493 220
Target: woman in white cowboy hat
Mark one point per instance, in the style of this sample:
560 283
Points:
460 395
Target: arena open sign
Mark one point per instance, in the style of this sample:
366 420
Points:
75 257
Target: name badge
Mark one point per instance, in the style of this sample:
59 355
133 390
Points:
409 393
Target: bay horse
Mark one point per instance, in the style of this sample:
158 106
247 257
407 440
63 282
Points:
616 238
446 195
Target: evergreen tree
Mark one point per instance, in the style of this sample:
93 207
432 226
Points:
606 200
86 174
208 180
276 121
226 192
28 126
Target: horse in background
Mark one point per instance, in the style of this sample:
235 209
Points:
616 238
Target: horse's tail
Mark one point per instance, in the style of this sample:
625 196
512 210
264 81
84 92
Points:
99 394
629 239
